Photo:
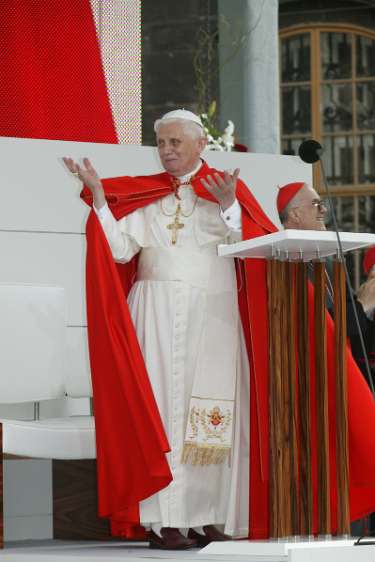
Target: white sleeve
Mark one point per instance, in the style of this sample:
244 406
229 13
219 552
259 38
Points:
123 245
103 211
232 216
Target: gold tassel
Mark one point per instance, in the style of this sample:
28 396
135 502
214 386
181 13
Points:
204 455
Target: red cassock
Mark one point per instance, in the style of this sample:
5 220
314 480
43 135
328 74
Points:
131 442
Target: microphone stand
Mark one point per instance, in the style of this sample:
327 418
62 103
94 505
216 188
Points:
348 282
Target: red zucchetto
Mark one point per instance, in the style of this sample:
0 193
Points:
369 260
286 194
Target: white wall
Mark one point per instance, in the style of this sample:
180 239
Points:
42 221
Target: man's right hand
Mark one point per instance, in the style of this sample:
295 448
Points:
366 294
88 175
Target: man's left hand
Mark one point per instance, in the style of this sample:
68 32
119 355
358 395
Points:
222 188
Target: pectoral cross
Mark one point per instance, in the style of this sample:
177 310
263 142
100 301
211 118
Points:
175 226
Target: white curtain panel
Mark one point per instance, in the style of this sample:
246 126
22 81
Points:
118 25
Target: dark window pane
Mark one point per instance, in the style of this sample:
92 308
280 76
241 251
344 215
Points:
345 217
344 210
366 216
295 58
338 160
365 56
296 103
336 55
291 146
337 108
366 159
366 222
366 105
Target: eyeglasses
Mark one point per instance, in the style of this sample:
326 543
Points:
321 205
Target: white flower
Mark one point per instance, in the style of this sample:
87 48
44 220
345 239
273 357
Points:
228 138
214 145
229 129
222 142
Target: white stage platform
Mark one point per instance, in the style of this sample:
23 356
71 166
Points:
250 551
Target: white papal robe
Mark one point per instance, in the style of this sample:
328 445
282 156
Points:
185 311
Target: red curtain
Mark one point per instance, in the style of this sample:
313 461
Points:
52 82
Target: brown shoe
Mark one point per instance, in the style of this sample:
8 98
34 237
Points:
201 540
211 534
214 534
171 539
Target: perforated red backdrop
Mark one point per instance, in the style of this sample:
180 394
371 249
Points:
52 82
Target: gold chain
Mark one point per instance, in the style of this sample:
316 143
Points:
176 225
178 210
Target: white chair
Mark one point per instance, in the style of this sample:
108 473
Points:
41 359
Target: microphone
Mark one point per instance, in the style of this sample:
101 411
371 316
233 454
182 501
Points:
310 151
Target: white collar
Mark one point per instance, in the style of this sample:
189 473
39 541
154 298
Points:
192 173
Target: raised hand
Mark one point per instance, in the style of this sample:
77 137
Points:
223 189
366 293
88 175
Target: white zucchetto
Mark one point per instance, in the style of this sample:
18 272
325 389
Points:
179 114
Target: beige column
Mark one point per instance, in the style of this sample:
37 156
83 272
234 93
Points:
249 71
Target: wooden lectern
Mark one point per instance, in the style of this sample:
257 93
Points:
296 259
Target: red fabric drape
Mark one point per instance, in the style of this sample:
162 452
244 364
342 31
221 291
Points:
130 439
52 82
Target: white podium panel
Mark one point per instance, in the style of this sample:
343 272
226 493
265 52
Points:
303 245
335 550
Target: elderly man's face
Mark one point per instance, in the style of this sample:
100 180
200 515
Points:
307 210
179 150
